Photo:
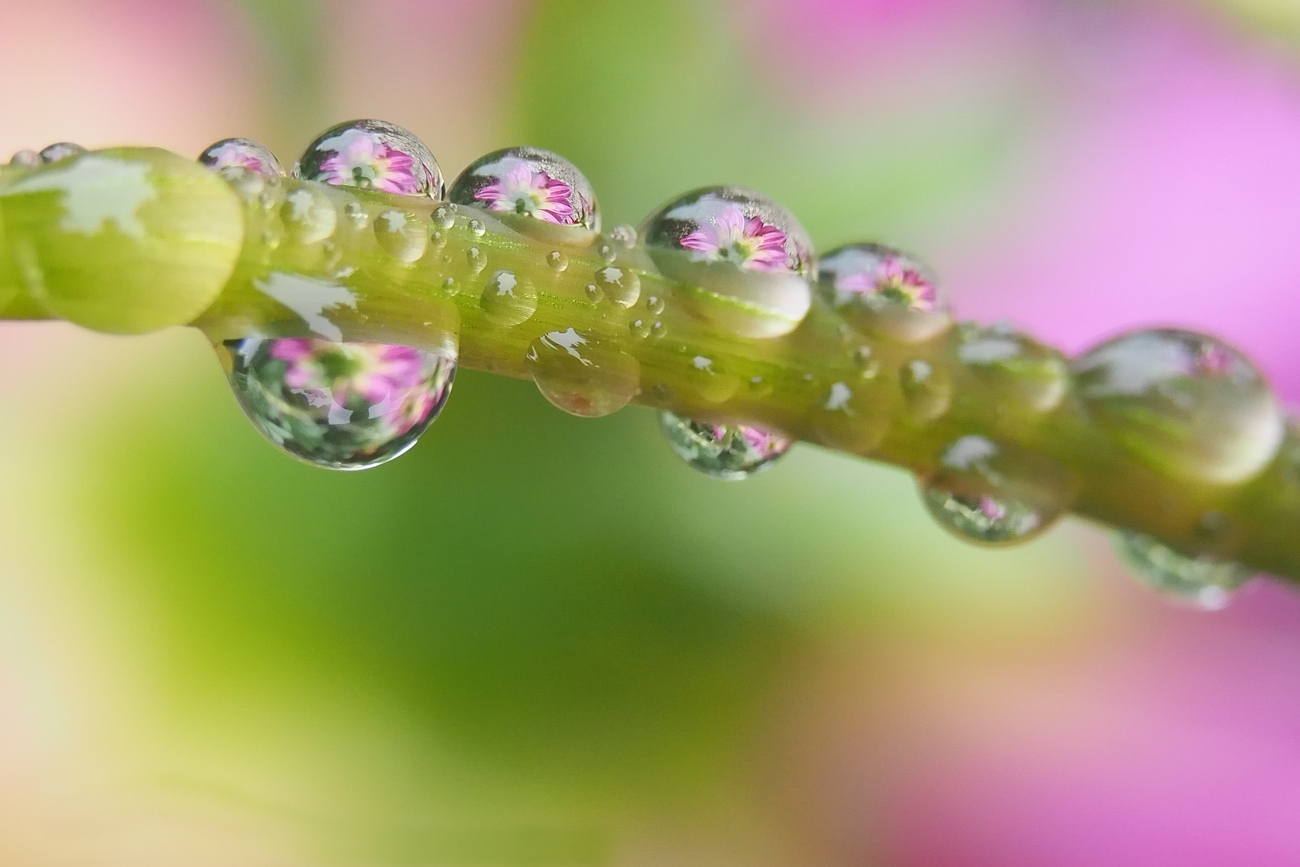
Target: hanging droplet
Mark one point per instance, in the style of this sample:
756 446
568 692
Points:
744 259
343 406
730 452
879 290
1033 375
373 155
1200 582
927 390
242 154
1184 402
401 234
27 158
854 417
60 151
535 191
620 285
995 494
308 216
507 300
581 376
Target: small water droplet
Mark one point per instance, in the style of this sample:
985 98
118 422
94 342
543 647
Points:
449 286
624 236
655 304
879 290
619 285
865 360
535 191
711 380
444 217
594 295
373 155
60 151
640 329
745 261
658 330
437 238
241 153
477 228
507 300
26 157
308 216
357 214
1184 402
343 406
1200 582
1033 375
607 254
557 260
476 258
401 235
730 452
581 376
927 391
853 418
995 494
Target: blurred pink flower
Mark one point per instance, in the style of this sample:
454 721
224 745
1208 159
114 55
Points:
521 190
749 243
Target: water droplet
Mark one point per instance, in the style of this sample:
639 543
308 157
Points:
853 418
357 214
927 391
624 236
373 155
476 258
28 158
865 360
880 290
60 151
444 216
1034 375
449 285
594 295
655 304
557 260
477 228
437 238
308 216
640 329
730 452
711 380
581 376
244 154
401 235
344 406
619 285
507 300
1200 582
658 330
996 494
535 191
1183 402
607 254
745 261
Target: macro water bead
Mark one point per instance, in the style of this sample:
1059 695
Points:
730 452
1184 402
744 261
1201 582
244 154
373 155
1024 371
582 376
343 406
878 289
534 190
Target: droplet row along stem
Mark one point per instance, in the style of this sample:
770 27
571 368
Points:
699 371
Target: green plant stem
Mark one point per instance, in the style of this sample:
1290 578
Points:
781 383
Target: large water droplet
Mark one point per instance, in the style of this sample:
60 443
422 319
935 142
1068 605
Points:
581 376
996 494
60 151
880 290
1033 375
241 153
1184 402
745 260
730 452
343 406
401 234
372 154
1200 582
308 216
508 300
537 192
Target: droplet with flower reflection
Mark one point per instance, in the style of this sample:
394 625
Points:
372 154
241 153
744 260
342 406
60 151
730 452
1200 582
995 494
1184 402
880 290
536 191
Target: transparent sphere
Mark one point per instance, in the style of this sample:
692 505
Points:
60 151
342 406
581 376
995 494
1032 375
372 154
729 452
1200 582
744 260
1184 402
244 154
880 290
535 187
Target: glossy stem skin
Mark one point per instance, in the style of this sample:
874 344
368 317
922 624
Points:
779 383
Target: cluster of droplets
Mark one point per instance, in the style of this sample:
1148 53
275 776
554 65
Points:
1184 403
